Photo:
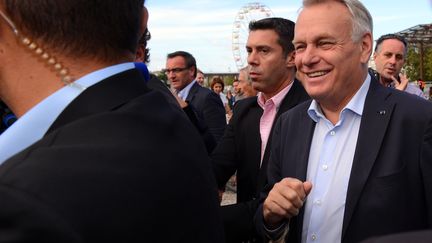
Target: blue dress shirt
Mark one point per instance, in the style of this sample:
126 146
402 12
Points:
183 94
329 167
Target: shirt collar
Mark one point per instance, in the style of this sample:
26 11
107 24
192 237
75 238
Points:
276 99
33 125
356 104
183 94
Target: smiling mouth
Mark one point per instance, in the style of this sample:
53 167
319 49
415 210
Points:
316 74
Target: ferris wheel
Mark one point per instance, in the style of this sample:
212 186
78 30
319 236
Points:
249 12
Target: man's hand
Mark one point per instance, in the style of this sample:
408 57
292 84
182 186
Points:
181 102
285 200
403 82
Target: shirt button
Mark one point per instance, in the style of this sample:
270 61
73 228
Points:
318 202
332 133
313 237
325 167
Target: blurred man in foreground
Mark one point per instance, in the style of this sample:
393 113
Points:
91 142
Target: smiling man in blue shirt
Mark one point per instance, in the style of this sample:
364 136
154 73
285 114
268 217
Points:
356 161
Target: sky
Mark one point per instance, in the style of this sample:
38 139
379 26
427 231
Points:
205 28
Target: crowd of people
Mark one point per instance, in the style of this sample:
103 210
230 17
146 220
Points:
98 149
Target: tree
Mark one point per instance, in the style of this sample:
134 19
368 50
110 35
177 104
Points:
228 80
162 76
412 64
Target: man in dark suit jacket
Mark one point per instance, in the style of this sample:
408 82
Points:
181 71
361 163
154 83
241 146
117 161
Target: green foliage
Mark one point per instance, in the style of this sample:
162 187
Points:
162 76
412 64
228 80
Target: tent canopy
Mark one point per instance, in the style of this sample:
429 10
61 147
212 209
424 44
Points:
418 35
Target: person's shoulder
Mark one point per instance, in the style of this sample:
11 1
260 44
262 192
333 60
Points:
408 100
140 118
245 103
208 96
204 91
301 108
243 107
404 105
140 128
415 90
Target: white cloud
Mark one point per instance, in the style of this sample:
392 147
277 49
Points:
204 27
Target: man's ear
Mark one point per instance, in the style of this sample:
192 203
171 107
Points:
192 72
290 60
144 21
140 53
366 47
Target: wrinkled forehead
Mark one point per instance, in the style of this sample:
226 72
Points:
328 18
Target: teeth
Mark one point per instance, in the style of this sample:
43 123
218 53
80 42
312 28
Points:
316 74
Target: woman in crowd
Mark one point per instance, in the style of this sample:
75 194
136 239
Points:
217 85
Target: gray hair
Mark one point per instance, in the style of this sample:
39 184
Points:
245 70
361 18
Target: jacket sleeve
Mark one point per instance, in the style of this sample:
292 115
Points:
214 115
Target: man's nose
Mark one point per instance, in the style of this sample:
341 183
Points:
252 58
308 56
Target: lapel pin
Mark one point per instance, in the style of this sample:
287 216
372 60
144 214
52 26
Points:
382 113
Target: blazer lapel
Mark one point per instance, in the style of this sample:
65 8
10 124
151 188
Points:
303 141
253 135
295 96
120 89
192 92
375 119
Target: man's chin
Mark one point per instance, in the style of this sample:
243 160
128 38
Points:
388 76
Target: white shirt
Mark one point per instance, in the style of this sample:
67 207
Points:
223 98
33 125
183 94
329 167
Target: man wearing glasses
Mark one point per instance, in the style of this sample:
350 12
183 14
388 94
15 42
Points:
181 71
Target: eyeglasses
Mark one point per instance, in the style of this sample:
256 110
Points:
175 70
